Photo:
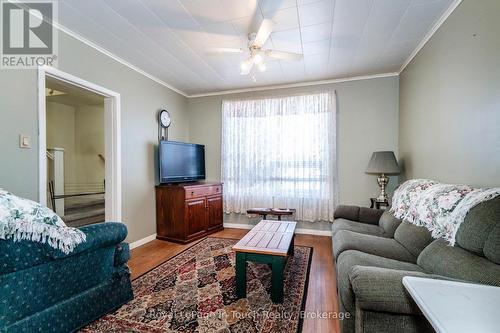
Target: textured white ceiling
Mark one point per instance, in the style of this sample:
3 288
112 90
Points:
169 38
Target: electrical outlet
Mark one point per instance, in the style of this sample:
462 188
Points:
24 141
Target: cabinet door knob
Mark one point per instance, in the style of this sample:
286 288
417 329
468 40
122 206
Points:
192 192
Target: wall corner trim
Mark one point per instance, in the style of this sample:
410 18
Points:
431 33
142 241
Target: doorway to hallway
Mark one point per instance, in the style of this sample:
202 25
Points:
80 172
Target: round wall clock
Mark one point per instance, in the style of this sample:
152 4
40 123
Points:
165 119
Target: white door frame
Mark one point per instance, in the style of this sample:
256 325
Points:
112 126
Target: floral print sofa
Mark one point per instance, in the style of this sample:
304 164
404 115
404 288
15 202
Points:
43 289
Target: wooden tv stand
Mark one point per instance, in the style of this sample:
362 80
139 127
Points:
188 211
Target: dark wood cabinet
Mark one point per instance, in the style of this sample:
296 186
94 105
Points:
188 211
214 212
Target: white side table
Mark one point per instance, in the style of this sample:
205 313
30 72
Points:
456 307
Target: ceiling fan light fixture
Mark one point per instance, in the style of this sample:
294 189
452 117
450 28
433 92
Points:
257 59
257 54
244 66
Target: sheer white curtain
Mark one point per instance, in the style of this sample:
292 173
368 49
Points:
281 153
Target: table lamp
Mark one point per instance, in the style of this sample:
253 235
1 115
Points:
383 164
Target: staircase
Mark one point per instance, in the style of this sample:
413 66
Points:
80 211
78 204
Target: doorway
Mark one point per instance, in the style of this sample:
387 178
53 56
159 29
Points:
79 149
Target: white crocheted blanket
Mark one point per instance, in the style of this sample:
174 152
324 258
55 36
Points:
441 208
23 219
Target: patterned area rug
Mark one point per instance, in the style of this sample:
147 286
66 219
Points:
195 291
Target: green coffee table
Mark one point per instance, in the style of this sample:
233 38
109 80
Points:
269 242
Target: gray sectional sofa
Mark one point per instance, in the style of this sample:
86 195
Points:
373 251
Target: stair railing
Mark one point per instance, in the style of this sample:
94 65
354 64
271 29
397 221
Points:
92 191
71 190
55 174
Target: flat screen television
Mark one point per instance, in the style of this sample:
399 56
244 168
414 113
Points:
181 162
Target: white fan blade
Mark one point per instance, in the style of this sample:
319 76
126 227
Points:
223 50
246 66
264 32
283 55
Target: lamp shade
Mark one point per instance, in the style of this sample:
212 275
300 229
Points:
383 162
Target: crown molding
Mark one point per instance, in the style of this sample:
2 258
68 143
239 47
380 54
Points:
431 33
295 85
116 58
214 93
422 43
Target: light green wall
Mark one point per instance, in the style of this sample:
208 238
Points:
80 131
60 127
89 143
450 100
18 114
141 98
448 122
367 121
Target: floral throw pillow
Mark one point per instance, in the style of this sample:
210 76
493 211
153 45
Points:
23 219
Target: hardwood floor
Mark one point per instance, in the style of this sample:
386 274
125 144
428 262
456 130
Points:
322 290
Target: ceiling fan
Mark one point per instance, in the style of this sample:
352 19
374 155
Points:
257 54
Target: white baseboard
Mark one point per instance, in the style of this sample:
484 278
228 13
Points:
314 232
238 226
302 231
142 241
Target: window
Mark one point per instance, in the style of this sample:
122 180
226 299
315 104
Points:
281 152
